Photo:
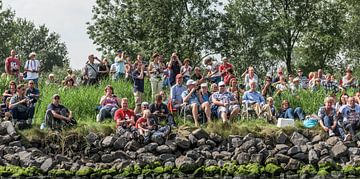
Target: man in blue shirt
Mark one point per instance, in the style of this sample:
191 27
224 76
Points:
253 98
176 91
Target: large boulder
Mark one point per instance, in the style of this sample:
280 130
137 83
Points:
339 150
92 137
243 158
298 139
120 143
200 133
162 149
185 164
182 142
147 158
236 142
281 138
108 141
47 165
313 157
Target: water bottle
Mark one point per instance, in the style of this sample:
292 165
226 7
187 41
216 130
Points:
42 126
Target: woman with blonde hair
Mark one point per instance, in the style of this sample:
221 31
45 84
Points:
156 72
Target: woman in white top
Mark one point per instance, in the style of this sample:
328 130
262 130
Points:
156 72
32 68
250 76
186 69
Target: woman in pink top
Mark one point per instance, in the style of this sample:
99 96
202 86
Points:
109 104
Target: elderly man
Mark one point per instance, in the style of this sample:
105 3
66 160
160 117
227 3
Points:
32 68
192 97
58 116
226 102
253 98
176 91
91 70
21 109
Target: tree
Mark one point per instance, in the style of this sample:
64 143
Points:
188 27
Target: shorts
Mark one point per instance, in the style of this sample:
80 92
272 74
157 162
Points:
227 109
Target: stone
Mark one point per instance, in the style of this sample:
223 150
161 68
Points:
107 158
281 138
193 154
280 147
120 143
200 134
95 157
151 147
193 140
298 139
225 155
108 141
60 158
91 138
316 139
167 157
236 142
249 136
5 139
185 164
305 148
132 145
282 158
211 143
326 159
294 150
75 166
159 139
332 140
141 150
245 146
293 165
354 151
25 158
216 137
47 165
300 156
252 150
210 162
243 158
182 142
201 142
15 143
271 160
121 155
339 150
162 149
256 158
324 152
147 158
313 157
169 164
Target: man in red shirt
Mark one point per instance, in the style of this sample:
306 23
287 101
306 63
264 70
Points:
124 117
12 64
223 68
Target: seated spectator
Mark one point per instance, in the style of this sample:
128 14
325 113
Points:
351 115
287 112
229 76
165 99
32 93
341 103
20 108
124 116
213 73
10 92
161 112
357 97
234 89
109 104
268 89
250 76
224 67
253 98
51 79
328 121
58 116
226 102
176 91
316 85
197 76
304 82
214 88
269 110
295 86
329 85
69 83
186 69
194 102
280 85
70 75
144 123
348 81
279 75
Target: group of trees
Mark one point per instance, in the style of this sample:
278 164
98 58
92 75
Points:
23 36
264 33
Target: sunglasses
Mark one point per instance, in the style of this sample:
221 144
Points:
222 86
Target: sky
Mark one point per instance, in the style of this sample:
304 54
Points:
65 17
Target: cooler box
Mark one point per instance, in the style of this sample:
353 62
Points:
283 122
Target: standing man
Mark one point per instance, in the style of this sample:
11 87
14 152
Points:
32 68
12 65
120 62
138 77
91 70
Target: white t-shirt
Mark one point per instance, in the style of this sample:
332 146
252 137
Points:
113 69
187 70
32 65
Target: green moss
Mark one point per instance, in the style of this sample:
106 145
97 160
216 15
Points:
308 169
86 171
228 169
241 170
254 168
102 172
137 170
212 170
146 171
177 172
199 171
322 172
60 173
159 170
349 170
272 169
127 171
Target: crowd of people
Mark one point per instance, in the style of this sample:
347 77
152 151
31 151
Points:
189 95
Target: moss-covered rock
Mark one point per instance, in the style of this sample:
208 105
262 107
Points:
307 169
322 172
60 173
212 170
273 169
86 171
349 170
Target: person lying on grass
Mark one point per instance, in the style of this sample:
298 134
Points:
124 116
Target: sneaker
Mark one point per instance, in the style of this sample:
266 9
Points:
331 133
98 118
347 137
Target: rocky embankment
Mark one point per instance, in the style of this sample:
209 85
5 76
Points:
186 153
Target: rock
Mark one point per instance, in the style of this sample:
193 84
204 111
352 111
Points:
256 158
151 147
167 157
332 140
60 158
193 154
236 142
15 143
324 152
185 164
300 156
5 139
108 141
107 158
304 148
222 155
282 158
12 159
121 155
216 137
252 150
354 151
193 140
159 139
131 154
210 162
201 142
132 145
141 150
120 143
245 146
339 150
172 145
91 138
25 158
182 142
147 158
211 143
249 136
316 139
47 165
271 160
280 147
243 158
313 157
95 157
298 139
169 164
281 138
325 160
293 165
75 166
162 149
294 150
200 134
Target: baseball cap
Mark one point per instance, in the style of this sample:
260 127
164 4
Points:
55 95
203 85
221 83
119 51
190 82
144 103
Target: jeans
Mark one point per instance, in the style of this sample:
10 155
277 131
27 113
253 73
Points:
292 114
23 115
328 122
169 118
352 126
106 111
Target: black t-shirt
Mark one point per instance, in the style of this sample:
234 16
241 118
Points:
58 109
175 67
138 83
196 77
162 108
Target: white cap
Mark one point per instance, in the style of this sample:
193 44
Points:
203 85
221 83
190 82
